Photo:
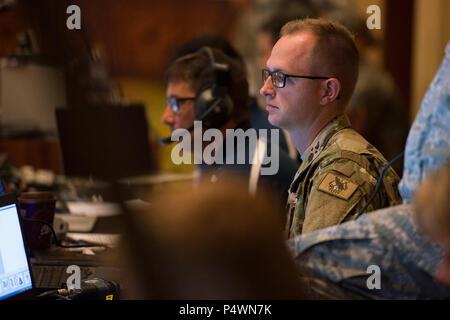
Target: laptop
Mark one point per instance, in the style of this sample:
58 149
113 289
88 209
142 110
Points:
19 278
15 272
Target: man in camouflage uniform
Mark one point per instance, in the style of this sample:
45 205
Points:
313 70
334 260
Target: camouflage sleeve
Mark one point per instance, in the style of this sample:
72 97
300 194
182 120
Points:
337 193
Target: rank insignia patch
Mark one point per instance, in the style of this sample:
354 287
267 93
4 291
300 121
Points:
337 186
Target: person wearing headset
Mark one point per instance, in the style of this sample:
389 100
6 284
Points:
309 80
211 87
258 115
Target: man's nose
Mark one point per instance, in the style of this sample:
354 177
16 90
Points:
168 116
267 89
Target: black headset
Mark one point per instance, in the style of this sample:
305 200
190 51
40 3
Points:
213 105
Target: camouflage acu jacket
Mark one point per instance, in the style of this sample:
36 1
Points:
339 173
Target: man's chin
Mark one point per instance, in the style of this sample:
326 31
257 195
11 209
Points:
278 123
273 120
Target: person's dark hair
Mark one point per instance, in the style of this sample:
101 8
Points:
206 40
195 68
277 20
335 51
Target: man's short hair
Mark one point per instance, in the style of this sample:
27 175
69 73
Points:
195 68
335 50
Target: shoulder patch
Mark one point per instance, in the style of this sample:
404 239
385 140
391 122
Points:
337 186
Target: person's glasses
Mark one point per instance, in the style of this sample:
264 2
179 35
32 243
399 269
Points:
175 102
279 77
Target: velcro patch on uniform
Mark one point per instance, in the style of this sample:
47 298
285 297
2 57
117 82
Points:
342 168
337 186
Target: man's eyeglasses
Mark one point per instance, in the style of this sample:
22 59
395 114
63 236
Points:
279 77
175 102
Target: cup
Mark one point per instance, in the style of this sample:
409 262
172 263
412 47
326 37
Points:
36 209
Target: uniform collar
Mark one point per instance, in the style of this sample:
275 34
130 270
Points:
321 140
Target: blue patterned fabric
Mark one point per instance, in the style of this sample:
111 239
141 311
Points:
389 238
428 143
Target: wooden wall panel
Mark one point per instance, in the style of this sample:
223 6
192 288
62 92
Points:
39 153
398 45
138 36
12 23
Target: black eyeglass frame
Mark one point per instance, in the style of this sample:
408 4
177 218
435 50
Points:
265 72
175 102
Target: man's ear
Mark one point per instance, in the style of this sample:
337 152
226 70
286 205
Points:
331 90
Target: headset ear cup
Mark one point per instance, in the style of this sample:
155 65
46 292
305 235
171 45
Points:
213 106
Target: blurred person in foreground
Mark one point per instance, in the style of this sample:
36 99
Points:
433 215
309 80
213 243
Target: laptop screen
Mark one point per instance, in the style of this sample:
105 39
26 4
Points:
14 270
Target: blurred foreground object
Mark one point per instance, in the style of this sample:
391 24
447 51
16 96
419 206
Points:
433 215
215 243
